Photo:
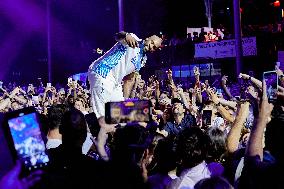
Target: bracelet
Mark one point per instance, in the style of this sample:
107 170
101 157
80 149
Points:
281 76
218 104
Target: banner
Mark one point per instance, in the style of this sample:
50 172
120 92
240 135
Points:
207 69
225 48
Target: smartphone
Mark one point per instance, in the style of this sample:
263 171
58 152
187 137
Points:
25 138
127 111
206 117
271 80
48 84
69 79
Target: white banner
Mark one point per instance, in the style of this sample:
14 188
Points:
225 48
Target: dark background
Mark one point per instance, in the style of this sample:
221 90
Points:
78 27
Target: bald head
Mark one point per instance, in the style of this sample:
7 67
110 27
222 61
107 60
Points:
152 43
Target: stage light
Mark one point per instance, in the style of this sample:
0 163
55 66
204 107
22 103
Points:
276 4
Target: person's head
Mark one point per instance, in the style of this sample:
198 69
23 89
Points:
167 113
251 91
213 183
141 83
189 35
217 143
61 94
15 105
164 156
70 100
191 147
152 43
73 129
80 104
164 95
245 134
129 144
55 115
219 122
177 107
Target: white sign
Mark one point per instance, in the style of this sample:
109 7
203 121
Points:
225 48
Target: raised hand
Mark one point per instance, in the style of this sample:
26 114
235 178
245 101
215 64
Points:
170 74
244 76
12 179
196 71
212 96
244 110
224 80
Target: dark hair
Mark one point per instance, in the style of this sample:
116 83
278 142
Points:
129 143
73 128
191 146
217 145
213 183
165 156
93 123
55 115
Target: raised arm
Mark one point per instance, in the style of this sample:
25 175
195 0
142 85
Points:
229 103
128 84
125 37
257 82
235 132
225 88
221 109
255 143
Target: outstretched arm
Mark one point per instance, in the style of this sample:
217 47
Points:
257 82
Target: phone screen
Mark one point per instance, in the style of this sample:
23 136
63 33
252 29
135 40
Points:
69 80
128 111
28 141
48 85
206 117
271 80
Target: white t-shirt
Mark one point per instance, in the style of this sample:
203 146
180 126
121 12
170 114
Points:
190 177
120 60
53 143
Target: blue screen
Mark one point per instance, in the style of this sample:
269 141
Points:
28 141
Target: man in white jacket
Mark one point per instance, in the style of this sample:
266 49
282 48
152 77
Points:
107 72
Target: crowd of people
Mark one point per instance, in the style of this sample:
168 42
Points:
198 137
